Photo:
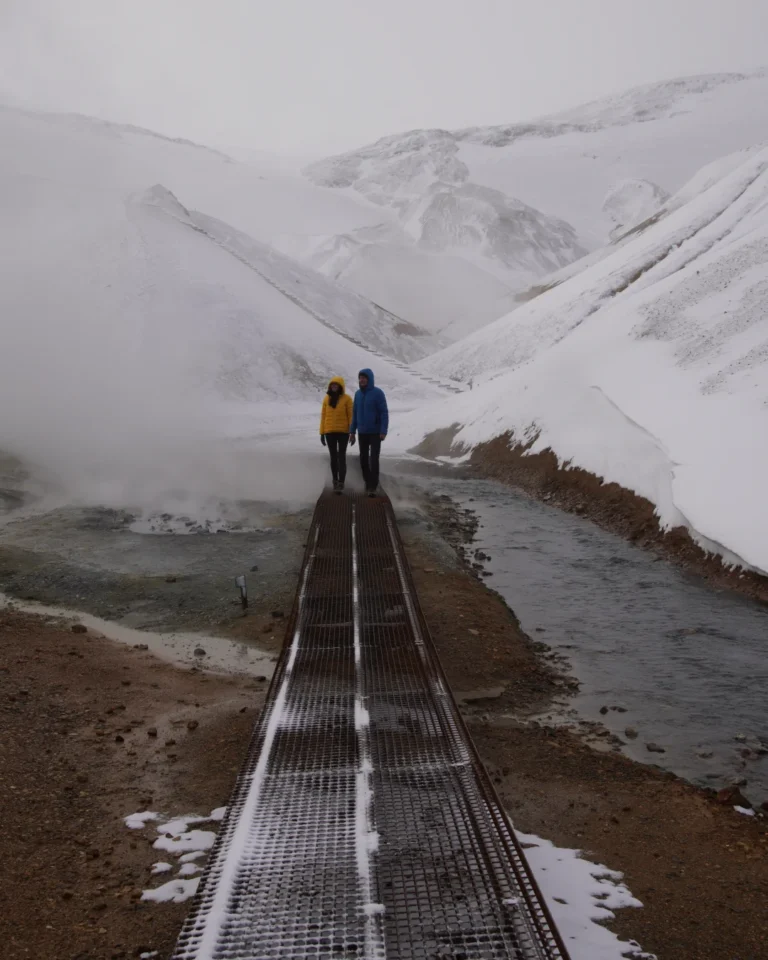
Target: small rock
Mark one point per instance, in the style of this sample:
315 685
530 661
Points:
140 646
740 737
705 754
79 628
152 732
654 748
119 739
603 710
619 709
200 652
475 633
277 614
739 781
192 725
170 743
267 628
126 683
630 733
732 796
170 579
261 679
243 709
254 568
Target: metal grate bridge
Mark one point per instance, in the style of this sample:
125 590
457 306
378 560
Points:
363 824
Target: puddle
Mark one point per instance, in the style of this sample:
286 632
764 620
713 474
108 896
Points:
656 651
220 654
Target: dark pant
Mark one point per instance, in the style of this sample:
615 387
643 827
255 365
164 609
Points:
370 447
337 447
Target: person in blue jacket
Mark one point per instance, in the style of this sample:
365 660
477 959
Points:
370 420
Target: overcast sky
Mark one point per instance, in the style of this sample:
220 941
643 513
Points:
317 76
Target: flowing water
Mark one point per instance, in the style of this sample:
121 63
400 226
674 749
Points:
687 663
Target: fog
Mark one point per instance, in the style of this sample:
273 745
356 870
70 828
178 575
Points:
307 77
114 347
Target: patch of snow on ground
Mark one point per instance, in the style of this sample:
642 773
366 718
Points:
175 891
137 821
175 837
184 842
581 896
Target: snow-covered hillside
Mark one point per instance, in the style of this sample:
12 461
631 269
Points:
447 293
452 234
565 166
260 202
649 368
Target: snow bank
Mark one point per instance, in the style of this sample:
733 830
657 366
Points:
648 369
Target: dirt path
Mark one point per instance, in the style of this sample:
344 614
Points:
77 756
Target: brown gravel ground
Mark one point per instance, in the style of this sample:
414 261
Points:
71 873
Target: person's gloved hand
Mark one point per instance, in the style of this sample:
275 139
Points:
322 439
352 439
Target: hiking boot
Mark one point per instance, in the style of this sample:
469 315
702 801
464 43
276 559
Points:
338 487
371 493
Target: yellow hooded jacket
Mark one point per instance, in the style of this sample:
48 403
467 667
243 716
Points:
336 419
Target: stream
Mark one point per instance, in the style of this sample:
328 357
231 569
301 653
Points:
686 664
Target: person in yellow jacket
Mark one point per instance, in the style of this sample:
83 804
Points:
335 423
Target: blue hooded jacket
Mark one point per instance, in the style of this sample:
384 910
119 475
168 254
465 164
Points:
369 413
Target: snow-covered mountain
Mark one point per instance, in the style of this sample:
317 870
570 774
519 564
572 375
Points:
451 234
521 200
649 367
662 133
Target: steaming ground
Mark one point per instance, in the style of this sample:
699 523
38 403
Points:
170 565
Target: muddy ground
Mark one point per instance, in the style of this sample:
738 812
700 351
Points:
76 756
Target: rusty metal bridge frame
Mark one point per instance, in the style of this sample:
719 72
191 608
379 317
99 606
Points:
363 823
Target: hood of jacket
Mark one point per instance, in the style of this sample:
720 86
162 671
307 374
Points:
340 381
368 373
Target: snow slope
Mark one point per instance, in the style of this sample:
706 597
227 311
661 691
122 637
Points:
565 166
97 154
446 293
333 305
452 234
649 367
